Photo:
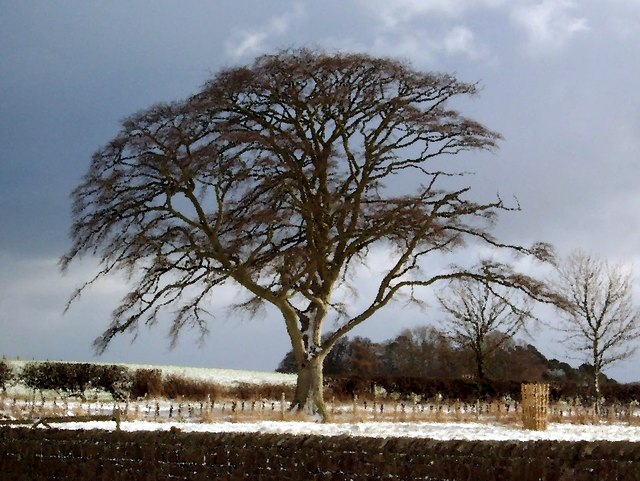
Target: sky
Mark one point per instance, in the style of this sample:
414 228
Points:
558 78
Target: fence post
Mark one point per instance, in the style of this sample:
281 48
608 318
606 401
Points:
535 406
355 407
116 416
282 406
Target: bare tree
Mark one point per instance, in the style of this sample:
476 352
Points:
600 320
483 318
278 177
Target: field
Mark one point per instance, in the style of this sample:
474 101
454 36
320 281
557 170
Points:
224 377
381 418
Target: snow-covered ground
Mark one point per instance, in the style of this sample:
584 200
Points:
185 422
440 431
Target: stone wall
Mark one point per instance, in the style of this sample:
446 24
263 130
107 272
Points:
42 454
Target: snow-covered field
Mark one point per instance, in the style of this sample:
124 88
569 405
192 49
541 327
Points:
487 430
440 431
223 377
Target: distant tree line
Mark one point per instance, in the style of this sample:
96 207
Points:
84 380
428 353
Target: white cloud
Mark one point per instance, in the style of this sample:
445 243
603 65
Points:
423 48
252 42
418 47
255 41
397 12
461 40
548 24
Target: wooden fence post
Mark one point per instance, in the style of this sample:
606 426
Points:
116 416
355 407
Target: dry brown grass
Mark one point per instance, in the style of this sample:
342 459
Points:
237 409
633 420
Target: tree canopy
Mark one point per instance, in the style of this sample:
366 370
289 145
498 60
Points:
280 177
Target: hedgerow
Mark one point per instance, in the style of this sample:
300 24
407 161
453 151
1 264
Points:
343 388
74 379
146 383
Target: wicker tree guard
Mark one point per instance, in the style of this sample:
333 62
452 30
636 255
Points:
535 406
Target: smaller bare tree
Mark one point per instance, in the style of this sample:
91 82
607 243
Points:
600 320
483 318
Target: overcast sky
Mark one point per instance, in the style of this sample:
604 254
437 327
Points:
559 80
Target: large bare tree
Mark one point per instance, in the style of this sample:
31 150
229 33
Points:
483 318
600 320
280 177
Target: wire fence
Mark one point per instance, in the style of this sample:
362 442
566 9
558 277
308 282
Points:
14 410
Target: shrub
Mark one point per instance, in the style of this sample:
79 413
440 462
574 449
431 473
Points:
6 374
406 387
116 380
68 378
175 387
344 388
74 379
146 383
623 393
252 392
40 376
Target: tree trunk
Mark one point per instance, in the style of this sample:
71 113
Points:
480 367
309 391
596 375
596 390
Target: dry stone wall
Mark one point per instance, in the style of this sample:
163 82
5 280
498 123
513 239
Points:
42 454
